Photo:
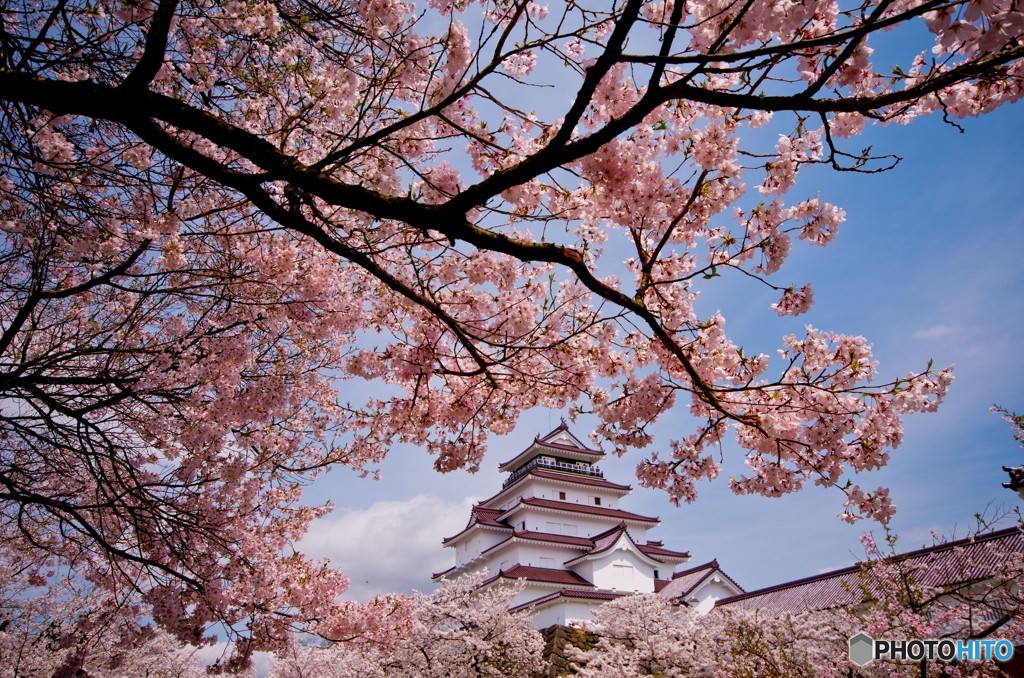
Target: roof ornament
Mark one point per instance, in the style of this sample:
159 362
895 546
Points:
1016 483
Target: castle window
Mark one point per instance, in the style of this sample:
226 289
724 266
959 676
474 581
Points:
597 501
561 495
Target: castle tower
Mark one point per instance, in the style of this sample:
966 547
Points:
556 523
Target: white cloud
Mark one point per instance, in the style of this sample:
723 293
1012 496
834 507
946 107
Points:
936 331
390 546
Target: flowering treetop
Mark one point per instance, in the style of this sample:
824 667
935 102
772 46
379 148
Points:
213 214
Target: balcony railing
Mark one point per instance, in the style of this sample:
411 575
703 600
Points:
582 468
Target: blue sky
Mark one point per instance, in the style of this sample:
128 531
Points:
927 266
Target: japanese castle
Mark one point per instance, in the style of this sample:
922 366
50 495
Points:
556 523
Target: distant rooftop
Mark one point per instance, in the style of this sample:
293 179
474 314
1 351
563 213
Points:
944 565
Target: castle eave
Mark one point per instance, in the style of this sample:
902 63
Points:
586 509
597 596
454 539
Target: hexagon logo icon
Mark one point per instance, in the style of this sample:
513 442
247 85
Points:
862 649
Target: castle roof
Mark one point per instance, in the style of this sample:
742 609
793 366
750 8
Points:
587 509
560 443
548 538
545 575
662 553
574 478
496 518
686 582
483 516
596 595
590 545
606 541
563 477
941 566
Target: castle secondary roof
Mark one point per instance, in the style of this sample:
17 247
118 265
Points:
582 508
685 582
606 541
561 477
540 444
480 515
575 478
588 544
570 593
541 574
956 562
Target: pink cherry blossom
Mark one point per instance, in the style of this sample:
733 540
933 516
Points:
247 242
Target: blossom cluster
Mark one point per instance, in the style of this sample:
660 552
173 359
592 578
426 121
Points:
245 242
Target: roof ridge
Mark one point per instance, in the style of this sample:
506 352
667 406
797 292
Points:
569 476
585 508
964 541
607 533
796 582
562 426
859 565
711 563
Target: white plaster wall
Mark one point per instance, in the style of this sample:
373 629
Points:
536 487
623 571
494 558
565 612
574 495
529 487
586 526
477 542
514 554
708 593
530 554
585 570
531 592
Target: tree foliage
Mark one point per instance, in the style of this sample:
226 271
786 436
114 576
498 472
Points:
971 592
218 216
459 631
644 635
57 626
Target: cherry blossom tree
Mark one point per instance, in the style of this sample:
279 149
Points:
972 591
218 216
459 630
645 635
1014 420
54 625
975 590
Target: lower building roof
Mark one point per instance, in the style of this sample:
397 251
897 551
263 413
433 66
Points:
941 566
685 582
595 595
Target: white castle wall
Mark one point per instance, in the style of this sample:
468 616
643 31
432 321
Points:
621 571
565 613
